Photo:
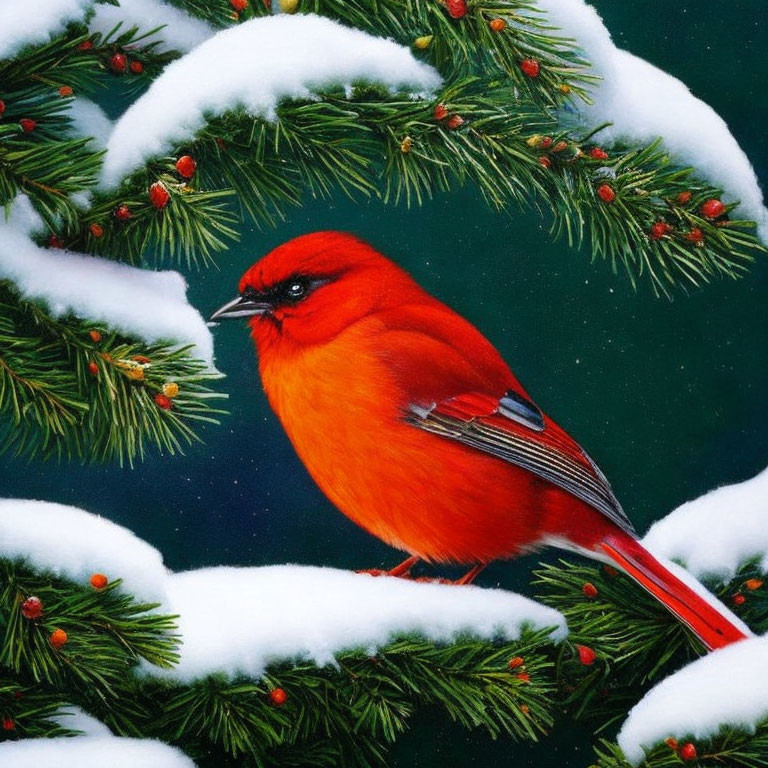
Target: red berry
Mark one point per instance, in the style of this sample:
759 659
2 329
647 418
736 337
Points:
278 697
545 161
530 67
440 112
239 5
523 677
659 229
54 242
93 367
545 143
27 124
163 401
65 91
586 655
95 336
159 195
610 571
186 166
738 599
684 197
136 67
695 236
497 25
32 608
58 638
589 590
712 208
117 62
515 662
86 45
688 751
8 724
598 153
2 107
605 193
123 213
455 121
456 8
96 230
99 581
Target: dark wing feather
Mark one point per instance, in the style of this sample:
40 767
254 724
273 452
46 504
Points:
512 428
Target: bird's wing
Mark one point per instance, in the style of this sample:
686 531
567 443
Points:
513 428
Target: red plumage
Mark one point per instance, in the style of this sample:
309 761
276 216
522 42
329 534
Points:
414 426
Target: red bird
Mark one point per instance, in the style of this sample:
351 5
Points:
414 426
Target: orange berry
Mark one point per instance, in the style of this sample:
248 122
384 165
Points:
516 662
65 91
93 367
671 743
560 146
589 589
58 638
523 677
586 655
684 197
95 336
96 230
163 401
99 581
497 25
136 67
278 697
441 112
455 121
753 583
606 193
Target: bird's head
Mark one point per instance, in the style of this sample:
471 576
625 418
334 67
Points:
311 288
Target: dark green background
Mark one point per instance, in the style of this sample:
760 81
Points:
669 397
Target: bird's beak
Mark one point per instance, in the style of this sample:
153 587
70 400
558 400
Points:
240 307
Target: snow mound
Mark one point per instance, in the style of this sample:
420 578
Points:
725 688
180 32
644 103
91 752
22 24
239 620
254 65
714 534
151 305
89 119
75 719
74 544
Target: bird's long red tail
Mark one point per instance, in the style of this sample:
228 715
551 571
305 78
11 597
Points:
713 628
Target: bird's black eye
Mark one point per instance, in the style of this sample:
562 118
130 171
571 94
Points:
296 289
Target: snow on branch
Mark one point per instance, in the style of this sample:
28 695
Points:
180 32
239 620
22 24
254 66
716 533
150 305
725 688
644 103
74 544
92 752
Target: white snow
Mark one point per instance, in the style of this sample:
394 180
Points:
141 302
181 32
714 534
644 103
238 620
23 24
91 752
74 544
725 688
89 119
255 65
75 719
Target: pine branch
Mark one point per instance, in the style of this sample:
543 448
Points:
69 389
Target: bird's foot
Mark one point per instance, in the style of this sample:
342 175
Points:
402 571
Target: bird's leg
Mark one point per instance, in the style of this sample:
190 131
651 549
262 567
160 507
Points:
469 577
402 571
